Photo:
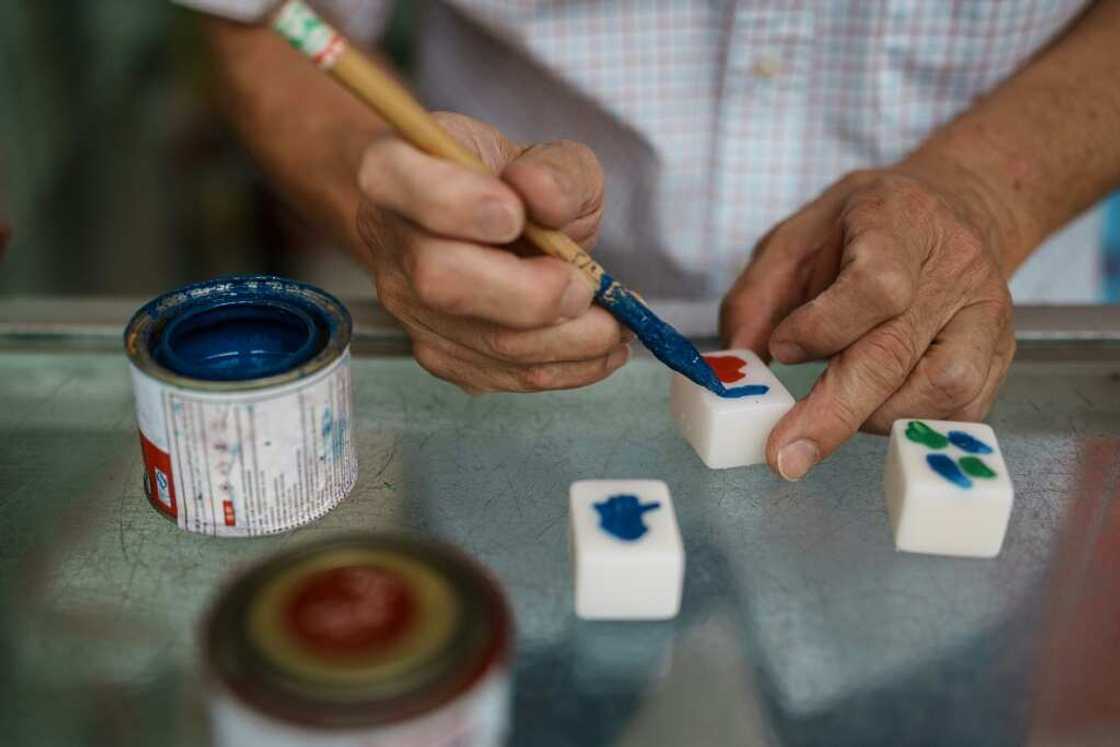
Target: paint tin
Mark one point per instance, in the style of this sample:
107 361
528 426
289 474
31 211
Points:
356 641
243 402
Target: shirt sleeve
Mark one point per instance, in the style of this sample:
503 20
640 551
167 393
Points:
361 20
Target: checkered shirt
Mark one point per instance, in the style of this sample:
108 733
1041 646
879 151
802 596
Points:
715 119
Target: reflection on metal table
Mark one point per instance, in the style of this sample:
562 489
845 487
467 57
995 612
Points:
800 623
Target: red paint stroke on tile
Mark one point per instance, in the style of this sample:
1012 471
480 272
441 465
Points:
729 368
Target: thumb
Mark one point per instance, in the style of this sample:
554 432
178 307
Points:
561 184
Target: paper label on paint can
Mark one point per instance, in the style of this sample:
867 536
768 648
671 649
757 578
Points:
240 464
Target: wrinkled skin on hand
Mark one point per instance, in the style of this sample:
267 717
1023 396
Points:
484 311
896 280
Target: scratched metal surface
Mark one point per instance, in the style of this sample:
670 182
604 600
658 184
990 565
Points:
800 623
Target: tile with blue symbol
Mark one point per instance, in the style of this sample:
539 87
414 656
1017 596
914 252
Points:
627 554
947 486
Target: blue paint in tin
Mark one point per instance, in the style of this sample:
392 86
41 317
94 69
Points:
238 340
667 344
239 328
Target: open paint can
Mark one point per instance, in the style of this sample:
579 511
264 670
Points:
357 641
243 401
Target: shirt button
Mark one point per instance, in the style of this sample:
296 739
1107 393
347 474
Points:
767 67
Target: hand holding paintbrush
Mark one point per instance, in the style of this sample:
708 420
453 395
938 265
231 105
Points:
400 110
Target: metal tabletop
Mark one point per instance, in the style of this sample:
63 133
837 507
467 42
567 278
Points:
800 623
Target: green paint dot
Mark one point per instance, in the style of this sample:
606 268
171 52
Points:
919 432
975 466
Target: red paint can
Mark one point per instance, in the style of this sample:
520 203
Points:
357 641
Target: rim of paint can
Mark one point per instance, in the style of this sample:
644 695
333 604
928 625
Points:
251 651
236 333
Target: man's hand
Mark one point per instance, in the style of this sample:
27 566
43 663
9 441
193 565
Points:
894 276
483 315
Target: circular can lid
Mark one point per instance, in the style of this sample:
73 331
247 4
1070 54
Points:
359 631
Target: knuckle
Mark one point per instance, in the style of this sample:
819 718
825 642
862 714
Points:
956 381
539 378
890 286
969 257
891 355
433 286
505 345
368 168
373 165
430 359
863 213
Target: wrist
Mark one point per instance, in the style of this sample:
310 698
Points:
967 184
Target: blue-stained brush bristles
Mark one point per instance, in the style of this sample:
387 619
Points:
667 344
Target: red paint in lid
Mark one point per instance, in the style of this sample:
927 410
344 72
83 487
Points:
349 610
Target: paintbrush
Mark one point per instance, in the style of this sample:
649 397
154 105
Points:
308 33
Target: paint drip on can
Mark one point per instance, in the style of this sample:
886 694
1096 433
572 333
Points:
244 405
360 640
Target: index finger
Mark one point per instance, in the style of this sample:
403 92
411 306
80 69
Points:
561 183
855 384
877 281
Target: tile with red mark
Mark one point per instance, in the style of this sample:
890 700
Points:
730 430
729 368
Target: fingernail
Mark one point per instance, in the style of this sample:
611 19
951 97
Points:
788 352
497 221
576 298
618 357
797 458
628 336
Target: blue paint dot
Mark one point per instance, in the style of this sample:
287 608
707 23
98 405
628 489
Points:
948 469
621 516
750 390
969 443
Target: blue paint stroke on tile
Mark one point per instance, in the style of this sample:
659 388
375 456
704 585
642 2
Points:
750 390
948 469
621 516
967 442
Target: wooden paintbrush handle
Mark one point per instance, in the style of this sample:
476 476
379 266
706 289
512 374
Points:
397 106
